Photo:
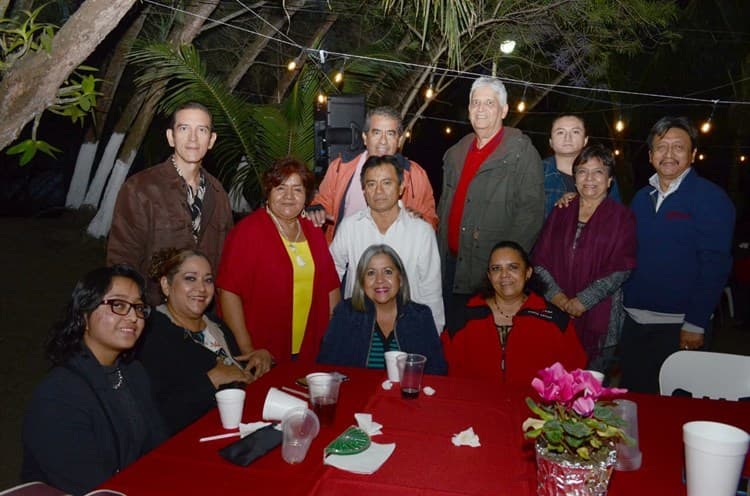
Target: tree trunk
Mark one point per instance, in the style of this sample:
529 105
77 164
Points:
266 33
31 85
181 34
288 78
110 81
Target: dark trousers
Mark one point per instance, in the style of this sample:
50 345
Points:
643 349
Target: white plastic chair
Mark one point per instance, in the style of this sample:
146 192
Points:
33 489
706 374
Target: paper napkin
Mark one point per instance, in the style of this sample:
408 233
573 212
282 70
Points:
364 421
466 438
367 462
249 428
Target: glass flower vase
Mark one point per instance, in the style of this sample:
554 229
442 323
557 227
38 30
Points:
563 474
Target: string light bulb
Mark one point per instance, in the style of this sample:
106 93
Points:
407 134
742 158
521 107
448 130
708 123
701 156
620 125
429 92
321 98
338 77
291 65
617 152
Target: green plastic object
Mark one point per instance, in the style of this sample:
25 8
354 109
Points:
352 441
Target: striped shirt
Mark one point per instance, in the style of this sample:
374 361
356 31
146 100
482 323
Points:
379 344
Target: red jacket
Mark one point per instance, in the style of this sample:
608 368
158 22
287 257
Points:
541 335
418 195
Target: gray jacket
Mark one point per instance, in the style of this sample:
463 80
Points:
505 201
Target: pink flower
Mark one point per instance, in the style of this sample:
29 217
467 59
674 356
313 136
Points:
584 406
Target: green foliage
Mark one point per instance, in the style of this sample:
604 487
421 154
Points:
184 72
21 36
76 98
28 148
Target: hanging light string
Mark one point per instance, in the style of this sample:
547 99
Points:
314 53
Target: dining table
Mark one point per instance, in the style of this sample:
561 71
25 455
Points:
425 461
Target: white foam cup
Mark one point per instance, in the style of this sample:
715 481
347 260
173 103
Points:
278 403
392 365
714 457
231 403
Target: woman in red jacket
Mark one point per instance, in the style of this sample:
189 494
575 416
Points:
506 332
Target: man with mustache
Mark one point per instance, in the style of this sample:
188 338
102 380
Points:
684 230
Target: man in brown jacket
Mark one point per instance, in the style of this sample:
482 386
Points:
175 204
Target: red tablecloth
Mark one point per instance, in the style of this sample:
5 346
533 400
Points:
424 462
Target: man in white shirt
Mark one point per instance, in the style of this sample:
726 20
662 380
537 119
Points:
386 221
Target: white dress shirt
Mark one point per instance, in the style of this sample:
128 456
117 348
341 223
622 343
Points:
411 237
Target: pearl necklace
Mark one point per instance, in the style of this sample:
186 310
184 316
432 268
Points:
300 261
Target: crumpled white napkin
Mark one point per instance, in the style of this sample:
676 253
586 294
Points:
365 422
387 385
428 391
249 428
366 462
466 438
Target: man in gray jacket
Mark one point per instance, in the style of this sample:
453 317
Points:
493 190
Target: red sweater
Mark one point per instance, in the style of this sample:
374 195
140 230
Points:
536 341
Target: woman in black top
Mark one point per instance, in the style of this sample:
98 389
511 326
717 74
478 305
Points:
93 414
187 354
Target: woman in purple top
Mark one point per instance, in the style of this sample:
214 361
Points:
585 253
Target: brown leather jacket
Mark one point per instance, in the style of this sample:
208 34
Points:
151 214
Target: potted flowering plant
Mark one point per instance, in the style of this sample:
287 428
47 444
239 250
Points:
574 415
576 429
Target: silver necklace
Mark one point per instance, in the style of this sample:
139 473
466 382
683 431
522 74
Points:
116 378
291 244
506 315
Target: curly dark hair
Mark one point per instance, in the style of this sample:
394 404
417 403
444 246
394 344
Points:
167 263
67 335
281 170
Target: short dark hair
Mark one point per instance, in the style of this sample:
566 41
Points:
281 170
601 152
666 123
67 335
376 161
388 112
560 116
486 290
358 293
188 106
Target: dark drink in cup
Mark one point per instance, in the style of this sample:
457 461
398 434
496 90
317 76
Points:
409 393
411 376
325 408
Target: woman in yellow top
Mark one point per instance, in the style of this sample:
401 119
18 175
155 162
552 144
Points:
277 282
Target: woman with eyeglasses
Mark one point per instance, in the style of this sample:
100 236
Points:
188 354
507 332
93 414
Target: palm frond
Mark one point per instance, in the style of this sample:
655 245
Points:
187 78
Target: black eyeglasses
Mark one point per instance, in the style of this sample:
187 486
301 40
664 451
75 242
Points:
122 307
